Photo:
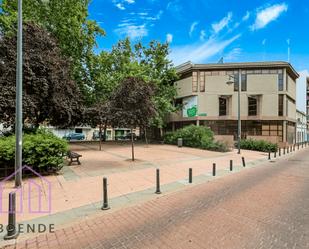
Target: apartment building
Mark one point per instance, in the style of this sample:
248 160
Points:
307 107
301 127
267 99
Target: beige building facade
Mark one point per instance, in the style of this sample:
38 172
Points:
268 97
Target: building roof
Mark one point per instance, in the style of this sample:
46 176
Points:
189 66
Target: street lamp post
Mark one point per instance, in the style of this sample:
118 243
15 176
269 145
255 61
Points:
230 82
19 94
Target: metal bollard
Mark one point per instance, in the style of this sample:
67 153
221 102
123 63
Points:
213 169
105 197
275 154
294 147
287 150
298 146
12 233
158 191
279 152
269 158
190 175
243 162
284 151
231 165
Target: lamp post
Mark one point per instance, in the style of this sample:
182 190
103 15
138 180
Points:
19 94
231 81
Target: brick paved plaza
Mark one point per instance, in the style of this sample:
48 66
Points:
262 206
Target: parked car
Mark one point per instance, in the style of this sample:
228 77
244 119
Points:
96 135
74 136
128 136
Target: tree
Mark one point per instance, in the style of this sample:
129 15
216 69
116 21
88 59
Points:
132 105
49 93
68 21
150 63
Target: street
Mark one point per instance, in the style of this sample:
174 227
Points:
262 207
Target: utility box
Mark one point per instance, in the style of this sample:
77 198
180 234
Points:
179 142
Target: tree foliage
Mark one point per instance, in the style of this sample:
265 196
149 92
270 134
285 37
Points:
149 63
49 93
132 103
68 21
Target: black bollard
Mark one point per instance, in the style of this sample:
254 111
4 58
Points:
190 175
231 165
269 158
279 152
275 154
158 191
12 233
105 197
213 169
243 162
298 146
284 151
287 150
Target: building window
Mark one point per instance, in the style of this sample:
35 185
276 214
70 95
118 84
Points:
252 106
194 82
280 105
222 106
202 81
243 82
280 81
236 82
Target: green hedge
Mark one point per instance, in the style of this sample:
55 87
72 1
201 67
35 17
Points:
197 137
258 145
40 150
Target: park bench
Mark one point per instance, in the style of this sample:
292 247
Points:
74 157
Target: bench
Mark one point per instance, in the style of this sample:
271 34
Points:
74 157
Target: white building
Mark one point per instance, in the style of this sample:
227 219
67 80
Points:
301 127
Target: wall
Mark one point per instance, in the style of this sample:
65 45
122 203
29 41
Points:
184 87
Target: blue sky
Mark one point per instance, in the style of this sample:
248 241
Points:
203 31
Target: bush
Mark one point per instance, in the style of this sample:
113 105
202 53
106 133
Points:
195 136
258 145
41 150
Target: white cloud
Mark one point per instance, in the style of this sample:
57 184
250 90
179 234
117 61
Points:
192 28
267 15
202 35
217 27
233 54
264 42
200 52
246 17
130 1
169 38
120 6
132 30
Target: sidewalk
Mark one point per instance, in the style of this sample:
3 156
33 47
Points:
239 194
79 188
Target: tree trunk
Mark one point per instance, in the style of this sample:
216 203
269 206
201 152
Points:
105 132
146 140
132 144
100 137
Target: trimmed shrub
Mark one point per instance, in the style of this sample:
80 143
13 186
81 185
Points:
258 145
197 137
41 150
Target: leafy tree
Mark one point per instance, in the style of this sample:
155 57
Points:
132 105
49 93
68 21
150 63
